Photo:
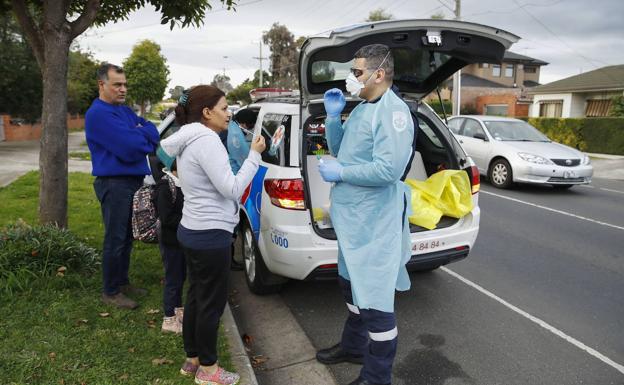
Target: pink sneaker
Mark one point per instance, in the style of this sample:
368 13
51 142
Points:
179 314
188 368
220 377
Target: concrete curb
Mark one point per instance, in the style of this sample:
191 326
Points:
240 359
605 156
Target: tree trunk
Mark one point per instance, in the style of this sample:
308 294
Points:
53 154
142 111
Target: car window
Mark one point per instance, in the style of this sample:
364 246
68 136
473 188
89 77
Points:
270 123
429 132
409 65
455 124
472 127
170 130
514 131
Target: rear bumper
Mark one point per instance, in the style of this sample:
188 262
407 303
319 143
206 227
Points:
416 263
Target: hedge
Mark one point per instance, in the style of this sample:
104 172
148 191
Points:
596 135
437 107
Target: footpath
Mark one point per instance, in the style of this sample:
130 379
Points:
280 350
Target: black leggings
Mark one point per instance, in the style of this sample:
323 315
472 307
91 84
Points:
208 272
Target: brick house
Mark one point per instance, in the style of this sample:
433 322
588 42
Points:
498 89
585 95
18 130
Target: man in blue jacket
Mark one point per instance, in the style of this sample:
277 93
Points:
119 141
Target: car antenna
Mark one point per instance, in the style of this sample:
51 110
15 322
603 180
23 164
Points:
434 67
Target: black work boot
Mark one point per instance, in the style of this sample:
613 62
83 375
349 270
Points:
336 355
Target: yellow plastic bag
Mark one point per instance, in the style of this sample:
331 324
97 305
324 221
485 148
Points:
446 192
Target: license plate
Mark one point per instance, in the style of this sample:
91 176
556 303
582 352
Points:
426 246
569 174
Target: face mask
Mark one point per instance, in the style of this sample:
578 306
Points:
354 86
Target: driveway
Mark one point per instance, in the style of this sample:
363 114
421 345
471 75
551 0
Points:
17 158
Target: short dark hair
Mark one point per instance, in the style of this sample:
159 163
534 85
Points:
374 55
246 116
198 98
102 71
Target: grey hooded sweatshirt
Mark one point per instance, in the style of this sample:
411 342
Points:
211 190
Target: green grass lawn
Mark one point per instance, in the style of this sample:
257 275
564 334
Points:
82 155
55 333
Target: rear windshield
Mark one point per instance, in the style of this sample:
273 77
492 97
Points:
409 65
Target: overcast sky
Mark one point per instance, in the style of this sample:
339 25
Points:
572 35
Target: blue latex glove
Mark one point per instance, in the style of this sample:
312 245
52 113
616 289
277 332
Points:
334 102
330 170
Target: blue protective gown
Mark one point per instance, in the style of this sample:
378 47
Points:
237 146
367 208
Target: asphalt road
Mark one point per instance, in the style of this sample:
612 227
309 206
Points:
540 299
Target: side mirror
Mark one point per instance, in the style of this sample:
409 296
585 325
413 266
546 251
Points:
480 135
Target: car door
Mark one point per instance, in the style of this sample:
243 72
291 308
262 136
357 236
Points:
479 147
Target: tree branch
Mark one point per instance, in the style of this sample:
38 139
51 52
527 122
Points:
85 20
30 29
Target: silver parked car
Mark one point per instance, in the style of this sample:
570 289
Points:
510 150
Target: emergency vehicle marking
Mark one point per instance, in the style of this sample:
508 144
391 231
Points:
253 205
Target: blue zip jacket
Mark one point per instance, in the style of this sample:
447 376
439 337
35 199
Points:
118 139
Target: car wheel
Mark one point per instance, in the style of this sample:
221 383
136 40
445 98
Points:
562 186
500 174
257 274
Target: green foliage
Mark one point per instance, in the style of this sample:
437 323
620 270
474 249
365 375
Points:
54 333
80 155
437 107
617 106
222 82
438 16
173 12
176 92
379 14
241 92
284 56
146 72
28 254
82 86
20 81
597 135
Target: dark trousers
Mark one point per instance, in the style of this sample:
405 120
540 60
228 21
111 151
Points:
371 333
175 274
115 196
208 273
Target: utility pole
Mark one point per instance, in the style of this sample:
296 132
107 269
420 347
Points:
457 75
260 59
224 57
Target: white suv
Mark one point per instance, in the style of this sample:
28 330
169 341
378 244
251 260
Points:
285 231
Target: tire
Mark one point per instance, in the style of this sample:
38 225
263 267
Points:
257 275
500 174
562 186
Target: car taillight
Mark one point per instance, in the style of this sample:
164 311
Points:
475 181
286 193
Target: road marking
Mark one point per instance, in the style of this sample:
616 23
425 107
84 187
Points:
586 186
554 210
615 191
538 321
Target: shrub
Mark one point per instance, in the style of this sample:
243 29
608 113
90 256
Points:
617 106
28 254
437 107
597 135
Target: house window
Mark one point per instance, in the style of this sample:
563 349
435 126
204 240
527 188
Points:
551 108
496 70
495 109
509 69
530 70
598 107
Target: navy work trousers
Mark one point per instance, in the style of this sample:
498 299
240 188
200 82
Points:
371 333
115 194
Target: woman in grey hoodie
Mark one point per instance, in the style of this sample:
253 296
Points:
210 213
